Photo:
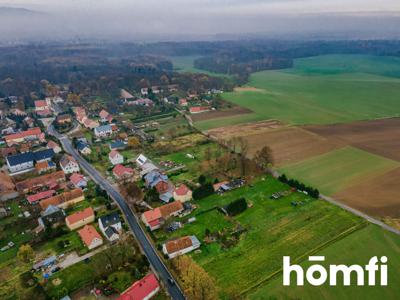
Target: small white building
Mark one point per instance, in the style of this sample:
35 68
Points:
68 164
110 225
103 131
115 157
180 246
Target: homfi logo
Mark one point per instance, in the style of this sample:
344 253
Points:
317 274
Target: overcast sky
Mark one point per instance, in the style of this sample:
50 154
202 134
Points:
132 18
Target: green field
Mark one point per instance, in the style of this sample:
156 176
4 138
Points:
273 228
334 170
322 90
356 248
185 64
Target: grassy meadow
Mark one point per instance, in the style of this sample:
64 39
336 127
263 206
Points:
185 64
273 228
321 90
356 248
335 170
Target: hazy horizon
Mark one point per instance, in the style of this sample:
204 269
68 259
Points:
199 19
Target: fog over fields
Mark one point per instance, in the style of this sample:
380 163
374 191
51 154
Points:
196 19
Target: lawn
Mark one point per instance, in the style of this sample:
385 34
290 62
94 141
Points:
321 90
274 228
350 250
336 170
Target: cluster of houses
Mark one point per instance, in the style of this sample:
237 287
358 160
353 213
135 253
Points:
155 218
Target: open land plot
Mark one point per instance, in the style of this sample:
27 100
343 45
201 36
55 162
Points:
348 251
320 90
215 114
274 228
339 169
185 64
288 144
378 196
376 136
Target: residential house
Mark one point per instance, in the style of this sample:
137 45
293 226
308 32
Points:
89 123
183 102
159 181
199 109
217 186
182 193
64 200
105 116
51 181
144 91
35 198
125 95
53 216
8 151
83 148
24 162
29 122
117 145
64 119
141 160
78 180
143 289
45 166
180 246
115 157
31 134
154 218
53 145
110 225
90 237
123 173
103 131
41 105
7 187
80 218
142 102
68 164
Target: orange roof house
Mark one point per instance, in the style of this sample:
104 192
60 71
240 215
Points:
155 217
80 218
49 180
63 200
182 193
90 237
181 246
19 137
142 289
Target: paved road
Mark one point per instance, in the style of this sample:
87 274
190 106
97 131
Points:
148 249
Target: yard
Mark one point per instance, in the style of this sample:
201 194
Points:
273 228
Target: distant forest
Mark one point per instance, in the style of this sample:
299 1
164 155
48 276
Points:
102 69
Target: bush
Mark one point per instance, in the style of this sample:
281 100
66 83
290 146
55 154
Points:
203 191
236 207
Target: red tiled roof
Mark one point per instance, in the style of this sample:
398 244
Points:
76 178
152 215
103 114
113 153
141 289
199 109
61 198
40 103
40 196
51 144
80 215
178 244
43 180
170 208
182 190
120 170
23 134
88 233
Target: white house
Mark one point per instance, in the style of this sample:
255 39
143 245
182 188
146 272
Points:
90 237
115 157
110 225
182 193
180 246
68 164
103 131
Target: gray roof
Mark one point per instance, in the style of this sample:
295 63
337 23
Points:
110 219
110 231
21 158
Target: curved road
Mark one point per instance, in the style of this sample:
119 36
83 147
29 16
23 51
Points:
147 247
